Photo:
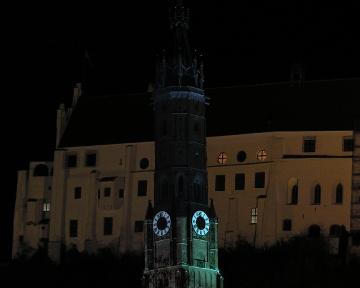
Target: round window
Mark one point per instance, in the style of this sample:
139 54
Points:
261 155
241 156
222 158
144 163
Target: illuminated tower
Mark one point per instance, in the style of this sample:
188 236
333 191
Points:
181 229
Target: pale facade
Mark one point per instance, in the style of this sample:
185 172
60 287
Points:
95 196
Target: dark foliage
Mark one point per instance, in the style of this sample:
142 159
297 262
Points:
298 262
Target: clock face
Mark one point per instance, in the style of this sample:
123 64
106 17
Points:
161 223
200 222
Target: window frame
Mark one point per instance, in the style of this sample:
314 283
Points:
254 215
309 144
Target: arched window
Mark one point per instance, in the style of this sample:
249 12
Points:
164 128
198 191
165 190
314 231
196 126
294 195
41 170
339 194
317 194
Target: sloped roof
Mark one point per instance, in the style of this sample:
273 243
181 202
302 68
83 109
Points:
315 106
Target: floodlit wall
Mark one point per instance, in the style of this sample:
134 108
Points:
100 201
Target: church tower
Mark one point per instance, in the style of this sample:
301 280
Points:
181 244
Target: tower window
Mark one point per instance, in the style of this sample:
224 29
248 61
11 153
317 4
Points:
77 193
107 192
241 156
240 181
73 228
164 128
90 159
108 225
142 187
144 163
220 183
309 144
196 126
254 214
197 189
259 179
139 226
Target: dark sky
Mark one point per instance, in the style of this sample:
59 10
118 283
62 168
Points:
241 42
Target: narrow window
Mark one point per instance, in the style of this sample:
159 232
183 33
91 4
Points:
108 225
98 193
181 185
71 161
309 144
294 195
164 189
139 226
240 181
220 183
287 225
46 207
77 193
196 126
107 192
259 179
142 187
339 194
164 128
254 213
121 193
90 159
197 192
317 194
73 228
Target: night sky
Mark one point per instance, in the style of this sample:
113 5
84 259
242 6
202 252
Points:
241 42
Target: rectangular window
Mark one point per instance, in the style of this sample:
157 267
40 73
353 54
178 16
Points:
90 159
348 144
121 193
142 187
309 144
259 179
220 183
73 228
139 226
99 193
71 161
46 207
254 213
107 192
240 181
77 193
108 225
21 238
287 225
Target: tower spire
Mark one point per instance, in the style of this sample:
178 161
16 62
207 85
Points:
182 69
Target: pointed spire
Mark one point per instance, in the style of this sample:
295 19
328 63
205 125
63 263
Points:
149 211
212 213
183 70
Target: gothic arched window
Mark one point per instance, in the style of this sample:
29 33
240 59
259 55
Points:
294 195
339 194
317 194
